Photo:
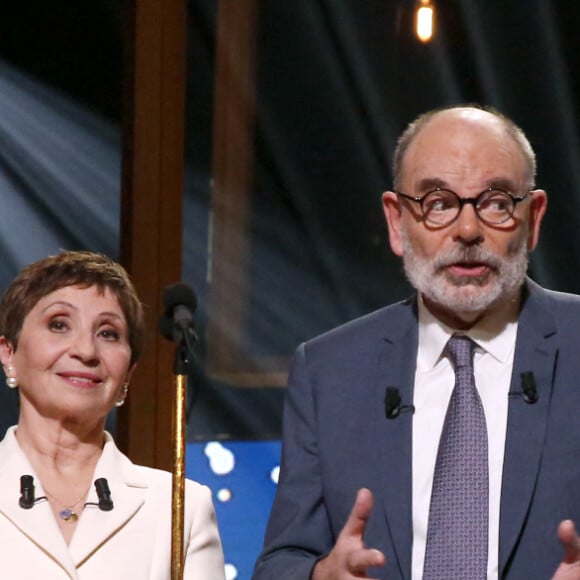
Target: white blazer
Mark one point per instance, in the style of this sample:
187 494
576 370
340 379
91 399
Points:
131 542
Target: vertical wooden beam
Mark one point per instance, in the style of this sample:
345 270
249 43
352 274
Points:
151 208
233 169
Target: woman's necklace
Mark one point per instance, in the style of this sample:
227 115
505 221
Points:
67 512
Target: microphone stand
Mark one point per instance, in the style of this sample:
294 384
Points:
180 370
176 324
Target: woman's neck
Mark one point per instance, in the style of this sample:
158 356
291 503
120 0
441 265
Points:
64 458
56 445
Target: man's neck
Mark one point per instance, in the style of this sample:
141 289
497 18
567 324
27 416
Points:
494 318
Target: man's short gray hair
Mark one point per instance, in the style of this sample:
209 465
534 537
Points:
416 126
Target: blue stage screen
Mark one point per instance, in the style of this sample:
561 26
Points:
242 476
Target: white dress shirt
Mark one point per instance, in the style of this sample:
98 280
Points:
495 338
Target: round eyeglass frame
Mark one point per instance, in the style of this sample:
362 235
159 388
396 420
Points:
462 201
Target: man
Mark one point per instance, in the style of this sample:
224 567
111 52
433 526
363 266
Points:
371 405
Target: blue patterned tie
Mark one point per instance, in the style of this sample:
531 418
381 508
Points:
457 535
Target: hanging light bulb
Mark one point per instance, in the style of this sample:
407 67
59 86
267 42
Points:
425 20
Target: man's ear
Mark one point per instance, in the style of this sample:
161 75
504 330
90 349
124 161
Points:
538 207
393 217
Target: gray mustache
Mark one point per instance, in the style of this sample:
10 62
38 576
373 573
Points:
471 254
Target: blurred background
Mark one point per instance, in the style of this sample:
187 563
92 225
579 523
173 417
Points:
304 113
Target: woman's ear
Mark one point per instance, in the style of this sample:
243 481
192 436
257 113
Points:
6 351
130 373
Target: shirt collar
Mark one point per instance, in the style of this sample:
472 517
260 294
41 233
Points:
494 334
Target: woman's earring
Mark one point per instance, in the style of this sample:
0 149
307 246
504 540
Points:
10 380
124 390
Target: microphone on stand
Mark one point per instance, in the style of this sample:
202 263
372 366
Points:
176 323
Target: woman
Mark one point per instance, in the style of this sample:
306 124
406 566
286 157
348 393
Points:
71 330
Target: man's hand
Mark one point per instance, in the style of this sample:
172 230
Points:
569 569
349 558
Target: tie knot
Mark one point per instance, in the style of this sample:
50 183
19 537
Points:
460 349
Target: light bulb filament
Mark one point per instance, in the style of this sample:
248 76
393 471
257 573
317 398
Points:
424 21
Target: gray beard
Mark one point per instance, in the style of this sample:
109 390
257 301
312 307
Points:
471 296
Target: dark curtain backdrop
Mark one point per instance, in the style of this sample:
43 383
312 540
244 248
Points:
337 81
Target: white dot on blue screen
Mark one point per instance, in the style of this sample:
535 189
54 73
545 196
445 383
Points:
224 495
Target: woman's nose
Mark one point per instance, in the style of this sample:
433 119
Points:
83 347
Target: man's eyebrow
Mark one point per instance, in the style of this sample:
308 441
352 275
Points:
503 183
430 183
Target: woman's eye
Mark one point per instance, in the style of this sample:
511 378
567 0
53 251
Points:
57 325
110 334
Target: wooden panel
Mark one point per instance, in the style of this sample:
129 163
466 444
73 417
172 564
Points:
152 200
233 169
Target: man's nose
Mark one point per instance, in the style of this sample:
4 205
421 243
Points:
468 226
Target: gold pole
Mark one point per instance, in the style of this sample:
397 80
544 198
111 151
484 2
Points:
178 487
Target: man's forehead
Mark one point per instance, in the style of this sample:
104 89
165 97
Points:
464 140
461 120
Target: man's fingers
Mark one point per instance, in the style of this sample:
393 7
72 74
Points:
359 515
360 560
570 541
349 558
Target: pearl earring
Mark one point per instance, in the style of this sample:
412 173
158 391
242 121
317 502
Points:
11 381
124 390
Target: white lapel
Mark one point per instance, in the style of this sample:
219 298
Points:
128 488
37 523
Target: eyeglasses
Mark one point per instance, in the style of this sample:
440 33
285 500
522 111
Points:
441 207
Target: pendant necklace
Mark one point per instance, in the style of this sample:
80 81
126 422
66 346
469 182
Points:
67 512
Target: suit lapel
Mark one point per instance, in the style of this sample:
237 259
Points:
37 523
536 351
396 368
128 490
94 527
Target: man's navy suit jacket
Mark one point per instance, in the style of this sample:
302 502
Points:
337 439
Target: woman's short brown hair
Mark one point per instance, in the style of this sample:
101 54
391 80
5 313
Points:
70 268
